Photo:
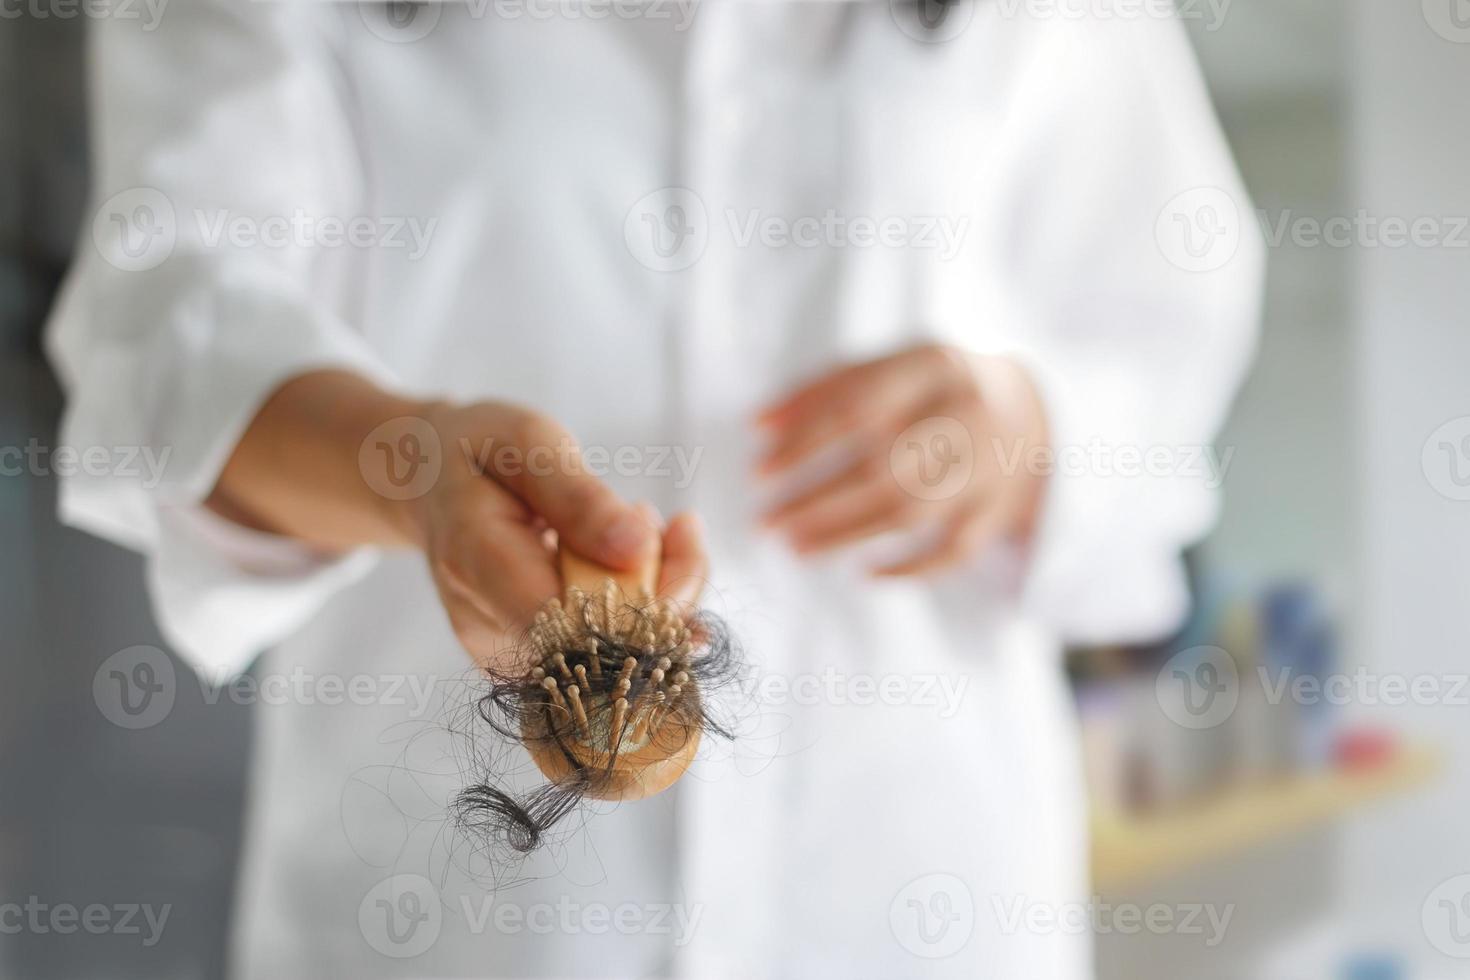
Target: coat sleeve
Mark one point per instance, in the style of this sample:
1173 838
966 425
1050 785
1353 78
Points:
1138 267
191 299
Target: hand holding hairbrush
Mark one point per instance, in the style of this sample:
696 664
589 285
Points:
610 693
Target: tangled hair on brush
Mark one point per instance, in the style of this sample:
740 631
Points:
602 680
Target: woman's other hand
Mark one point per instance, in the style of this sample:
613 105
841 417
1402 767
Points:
935 438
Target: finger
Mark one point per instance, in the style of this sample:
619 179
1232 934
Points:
928 367
483 636
860 502
512 570
803 397
846 405
868 398
496 556
588 516
965 538
853 515
685 559
815 431
800 505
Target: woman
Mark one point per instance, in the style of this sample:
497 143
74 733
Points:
850 281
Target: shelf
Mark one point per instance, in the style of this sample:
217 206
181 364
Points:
1127 849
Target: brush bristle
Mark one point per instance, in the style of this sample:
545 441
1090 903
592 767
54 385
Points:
607 667
602 676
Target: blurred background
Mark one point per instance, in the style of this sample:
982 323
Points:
1332 826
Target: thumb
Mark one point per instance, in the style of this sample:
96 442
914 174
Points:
594 522
588 517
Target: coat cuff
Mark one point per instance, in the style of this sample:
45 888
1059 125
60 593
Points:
1105 560
221 592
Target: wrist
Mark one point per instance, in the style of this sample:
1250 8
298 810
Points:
405 459
394 447
1016 415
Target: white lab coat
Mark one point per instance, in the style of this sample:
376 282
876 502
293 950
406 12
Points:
848 834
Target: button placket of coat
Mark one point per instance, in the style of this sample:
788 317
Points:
713 358
717 367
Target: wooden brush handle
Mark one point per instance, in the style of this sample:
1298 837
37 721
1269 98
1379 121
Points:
585 574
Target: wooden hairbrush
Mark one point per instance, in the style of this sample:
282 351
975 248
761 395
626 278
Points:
617 708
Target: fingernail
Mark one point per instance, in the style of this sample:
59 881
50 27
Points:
626 536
